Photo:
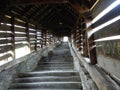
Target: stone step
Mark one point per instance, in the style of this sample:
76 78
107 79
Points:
54 68
64 58
56 62
55 72
44 89
49 73
57 59
47 85
48 79
68 54
59 67
56 65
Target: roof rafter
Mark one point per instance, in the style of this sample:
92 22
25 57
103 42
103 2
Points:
31 2
48 17
40 12
46 14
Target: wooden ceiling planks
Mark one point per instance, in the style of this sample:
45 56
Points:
31 2
49 13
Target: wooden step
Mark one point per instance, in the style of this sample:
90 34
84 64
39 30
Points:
47 79
58 85
50 73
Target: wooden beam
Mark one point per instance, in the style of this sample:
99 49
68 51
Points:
92 50
40 12
48 17
36 38
71 11
46 13
26 10
45 37
42 33
13 36
31 2
49 21
80 9
27 34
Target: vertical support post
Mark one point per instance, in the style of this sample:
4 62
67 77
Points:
86 45
13 36
50 38
42 33
0 22
36 38
45 34
80 40
92 47
84 42
74 37
27 34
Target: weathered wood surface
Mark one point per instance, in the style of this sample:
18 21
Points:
102 80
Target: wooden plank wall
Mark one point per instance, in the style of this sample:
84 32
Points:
92 44
15 34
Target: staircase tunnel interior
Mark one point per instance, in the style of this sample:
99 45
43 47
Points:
59 45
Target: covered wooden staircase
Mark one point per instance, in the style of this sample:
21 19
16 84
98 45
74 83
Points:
55 72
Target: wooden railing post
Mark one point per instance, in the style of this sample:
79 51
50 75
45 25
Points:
27 34
42 38
92 49
13 35
36 38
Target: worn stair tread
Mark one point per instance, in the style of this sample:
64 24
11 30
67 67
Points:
57 71
47 79
58 61
45 69
68 85
54 72
52 67
56 65
71 76
48 74
44 89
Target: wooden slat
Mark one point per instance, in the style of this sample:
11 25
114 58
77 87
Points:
32 45
32 36
19 29
6 20
5 27
5 49
32 31
112 30
20 39
5 35
32 41
5 56
19 22
5 41
20 45
20 35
